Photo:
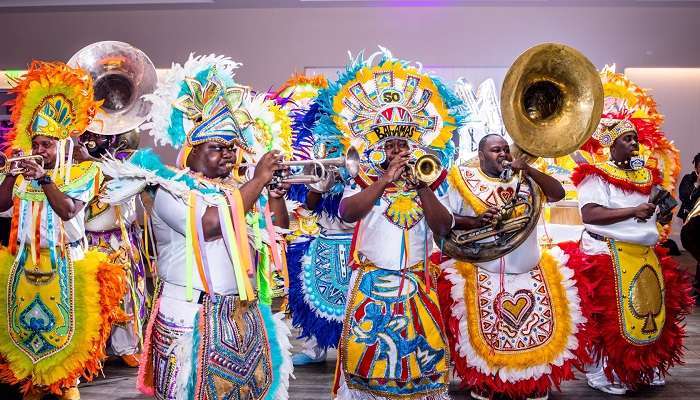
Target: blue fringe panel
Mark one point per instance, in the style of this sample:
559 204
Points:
326 332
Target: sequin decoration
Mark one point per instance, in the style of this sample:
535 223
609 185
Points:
326 275
234 354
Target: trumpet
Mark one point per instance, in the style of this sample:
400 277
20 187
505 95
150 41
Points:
318 175
425 169
7 165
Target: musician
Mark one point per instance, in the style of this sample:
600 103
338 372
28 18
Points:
211 333
515 322
640 297
689 189
393 343
61 298
113 230
318 281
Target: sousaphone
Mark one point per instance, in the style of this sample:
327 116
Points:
122 75
551 102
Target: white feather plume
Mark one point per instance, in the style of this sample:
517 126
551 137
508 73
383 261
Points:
158 120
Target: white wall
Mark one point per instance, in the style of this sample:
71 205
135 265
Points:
273 43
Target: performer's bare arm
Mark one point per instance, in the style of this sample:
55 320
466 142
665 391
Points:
551 187
595 214
357 206
312 199
438 217
65 207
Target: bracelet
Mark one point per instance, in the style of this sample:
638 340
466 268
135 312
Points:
44 180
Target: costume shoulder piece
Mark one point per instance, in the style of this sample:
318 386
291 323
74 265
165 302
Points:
641 180
144 168
480 191
84 177
370 103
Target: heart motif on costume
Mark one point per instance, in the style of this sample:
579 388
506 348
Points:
516 308
506 194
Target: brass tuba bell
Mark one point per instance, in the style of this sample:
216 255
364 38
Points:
551 102
122 74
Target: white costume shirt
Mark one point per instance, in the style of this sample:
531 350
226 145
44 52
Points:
522 259
74 228
169 221
380 240
594 189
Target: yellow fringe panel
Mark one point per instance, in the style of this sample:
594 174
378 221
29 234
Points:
456 181
98 289
526 358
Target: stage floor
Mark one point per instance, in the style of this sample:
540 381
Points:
314 382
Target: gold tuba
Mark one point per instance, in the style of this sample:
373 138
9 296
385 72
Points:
122 75
551 102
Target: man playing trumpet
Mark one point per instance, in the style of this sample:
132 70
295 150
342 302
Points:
515 322
113 230
61 299
211 333
393 343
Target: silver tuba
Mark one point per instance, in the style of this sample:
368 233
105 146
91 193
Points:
122 75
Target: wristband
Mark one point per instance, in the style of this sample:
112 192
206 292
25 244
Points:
44 180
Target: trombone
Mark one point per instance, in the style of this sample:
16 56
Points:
8 165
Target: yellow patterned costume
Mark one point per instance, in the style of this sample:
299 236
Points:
58 301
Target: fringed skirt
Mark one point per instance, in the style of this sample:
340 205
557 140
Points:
318 289
516 334
220 349
56 318
127 336
639 299
393 344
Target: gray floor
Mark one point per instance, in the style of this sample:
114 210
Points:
315 382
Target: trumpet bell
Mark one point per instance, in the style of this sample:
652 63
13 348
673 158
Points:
552 100
122 74
352 162
427 168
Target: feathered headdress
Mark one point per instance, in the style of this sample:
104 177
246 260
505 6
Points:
54 100
199 102
299 91
630 107
369 104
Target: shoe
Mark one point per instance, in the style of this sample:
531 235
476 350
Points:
539 396
658 380
132 360
33 395
304 359
599 381
70 394
479 395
